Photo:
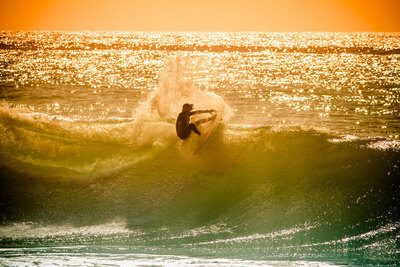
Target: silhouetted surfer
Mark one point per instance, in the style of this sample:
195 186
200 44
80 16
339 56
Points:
183 125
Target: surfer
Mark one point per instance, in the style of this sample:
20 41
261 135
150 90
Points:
183 127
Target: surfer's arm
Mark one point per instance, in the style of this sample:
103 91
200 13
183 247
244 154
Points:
203 111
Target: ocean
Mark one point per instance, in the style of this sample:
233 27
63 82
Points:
302 171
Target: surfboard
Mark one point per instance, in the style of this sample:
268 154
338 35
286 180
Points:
194 143
209 129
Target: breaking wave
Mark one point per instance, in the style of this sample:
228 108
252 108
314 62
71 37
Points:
281 191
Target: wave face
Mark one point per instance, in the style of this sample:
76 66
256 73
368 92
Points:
252 192
88 170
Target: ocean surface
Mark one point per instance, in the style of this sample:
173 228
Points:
303 170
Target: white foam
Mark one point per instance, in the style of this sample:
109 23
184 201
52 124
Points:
284 232
32 230
345 138
365 236
385 145
212 229
121 259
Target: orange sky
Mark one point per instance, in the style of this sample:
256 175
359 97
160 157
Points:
201 15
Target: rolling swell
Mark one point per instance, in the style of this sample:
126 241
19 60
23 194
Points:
279 191
320 43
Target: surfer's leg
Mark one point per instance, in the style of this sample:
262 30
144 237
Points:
206 120
194 128
184 132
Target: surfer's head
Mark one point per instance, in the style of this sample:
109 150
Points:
187 106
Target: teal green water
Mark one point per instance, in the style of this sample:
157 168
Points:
273 195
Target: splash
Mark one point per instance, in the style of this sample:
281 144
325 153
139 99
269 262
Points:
154 116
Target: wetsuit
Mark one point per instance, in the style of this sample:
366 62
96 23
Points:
183 127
